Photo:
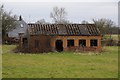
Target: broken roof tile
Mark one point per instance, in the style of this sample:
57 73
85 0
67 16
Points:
63 29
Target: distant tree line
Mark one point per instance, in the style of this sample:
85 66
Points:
115 30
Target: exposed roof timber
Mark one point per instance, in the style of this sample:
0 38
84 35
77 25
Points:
63 29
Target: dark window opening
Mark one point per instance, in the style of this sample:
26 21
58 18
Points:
25 42
82 42
93 42
36 43
70 43
59 45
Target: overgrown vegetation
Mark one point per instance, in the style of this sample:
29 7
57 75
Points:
112 40
60 65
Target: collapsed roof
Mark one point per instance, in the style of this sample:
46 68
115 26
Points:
63 29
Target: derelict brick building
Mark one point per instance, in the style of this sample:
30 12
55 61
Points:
60 37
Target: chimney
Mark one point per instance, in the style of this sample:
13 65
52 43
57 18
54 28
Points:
20 18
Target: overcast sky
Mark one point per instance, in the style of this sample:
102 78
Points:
77 10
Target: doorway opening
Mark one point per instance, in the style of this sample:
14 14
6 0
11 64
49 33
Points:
59 45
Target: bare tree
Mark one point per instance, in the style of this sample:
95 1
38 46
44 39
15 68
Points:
8 21
104 25
109 24
59 15
100 24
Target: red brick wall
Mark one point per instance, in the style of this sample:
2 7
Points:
44 45
44 42
76 41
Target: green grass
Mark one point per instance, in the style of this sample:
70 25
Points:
60 65
114 36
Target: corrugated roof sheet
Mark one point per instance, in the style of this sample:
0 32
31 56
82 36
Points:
63 29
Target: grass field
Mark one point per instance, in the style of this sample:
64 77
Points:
114 36
60 65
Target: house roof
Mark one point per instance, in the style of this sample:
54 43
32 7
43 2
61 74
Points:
20 27
63 29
